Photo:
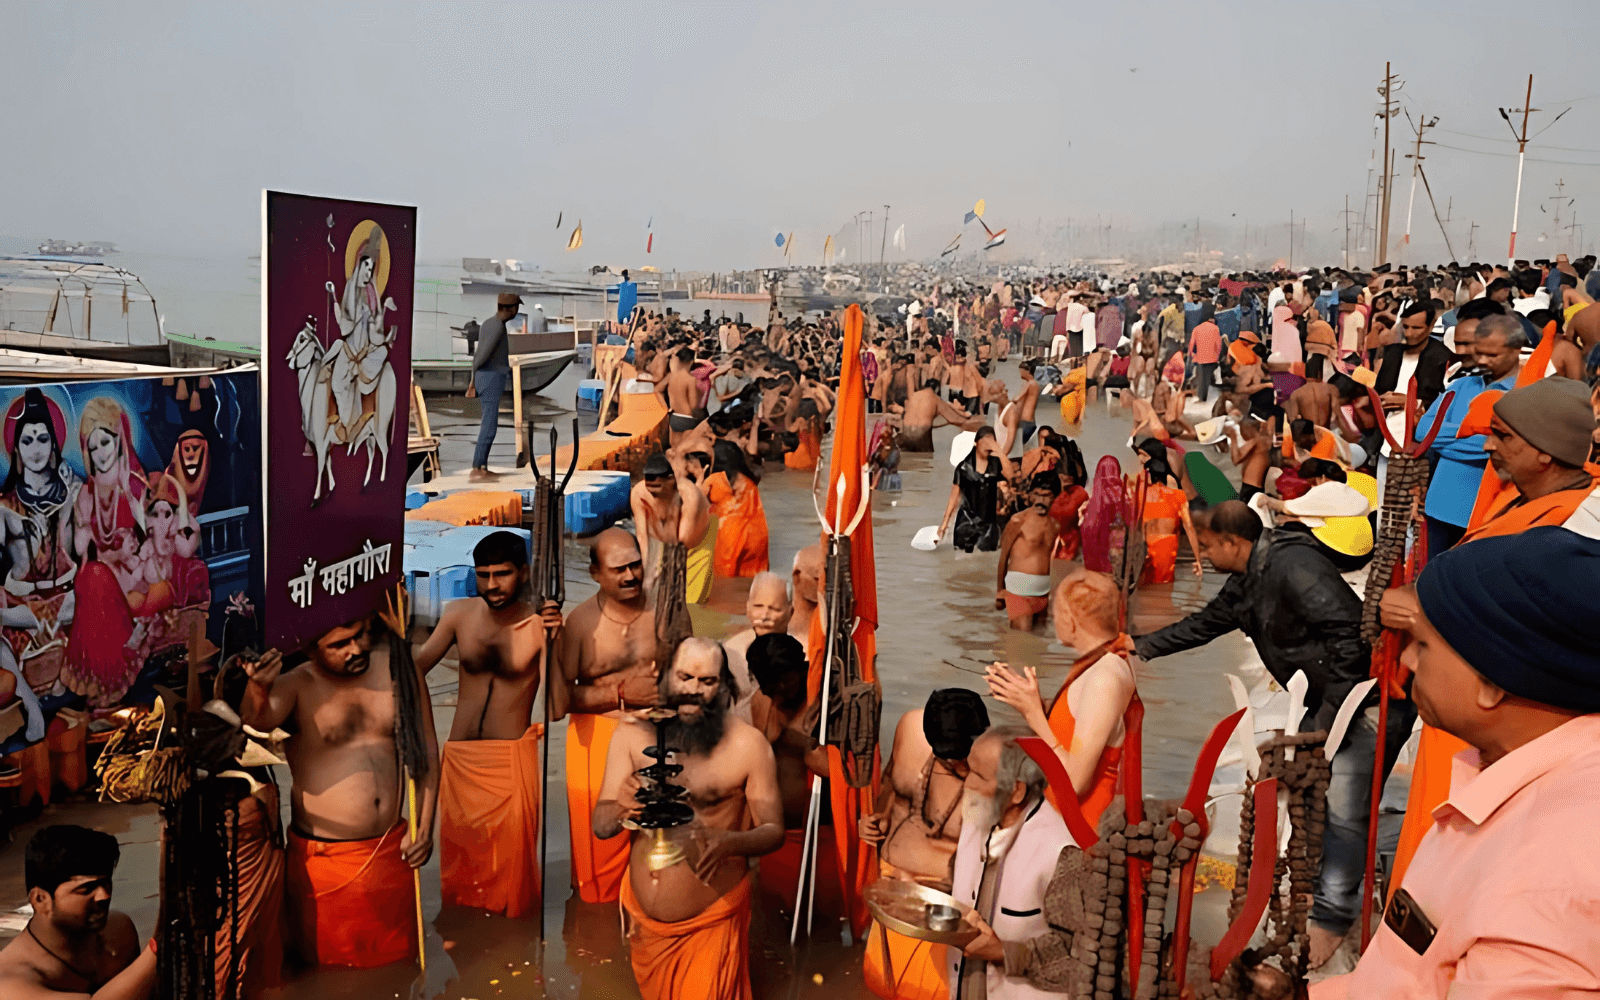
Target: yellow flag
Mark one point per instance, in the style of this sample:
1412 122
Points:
827 250
576 240
978 208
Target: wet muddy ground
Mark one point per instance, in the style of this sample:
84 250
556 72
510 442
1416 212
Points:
938 628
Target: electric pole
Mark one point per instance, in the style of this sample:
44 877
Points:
1557 199
1421 125
1390 108
1472 240
1522 150
883 272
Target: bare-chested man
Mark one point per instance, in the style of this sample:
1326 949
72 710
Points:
668 508
1146 421
925 410
75 944
681 394
608 652
689 923
488 787
1316 401
806 590
1022 587
349 858
1167 402
916 825
769 609
1027 402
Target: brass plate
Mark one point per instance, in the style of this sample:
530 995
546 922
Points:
902 907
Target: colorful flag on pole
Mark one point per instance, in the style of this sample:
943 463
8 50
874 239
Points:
969 218
827 250
576 239
780 241
846 491
650 234
978 208
995 239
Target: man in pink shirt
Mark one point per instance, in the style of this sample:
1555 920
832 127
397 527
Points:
1502 900
1205 347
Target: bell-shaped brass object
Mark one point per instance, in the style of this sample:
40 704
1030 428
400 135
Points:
664 853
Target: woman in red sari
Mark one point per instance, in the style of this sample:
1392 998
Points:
1104 515
108 530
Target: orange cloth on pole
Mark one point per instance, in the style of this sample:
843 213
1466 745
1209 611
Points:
918 967
741 527
599 867
844 496
706 957
351 902
489 824
805 454
257 915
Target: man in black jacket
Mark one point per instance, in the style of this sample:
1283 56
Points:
1419 354
1301 614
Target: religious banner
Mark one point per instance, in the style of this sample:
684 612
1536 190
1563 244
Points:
131 511
336 369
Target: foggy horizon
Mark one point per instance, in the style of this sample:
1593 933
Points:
156 128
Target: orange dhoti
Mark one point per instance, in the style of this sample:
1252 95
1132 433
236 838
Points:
917 968
256 916
598 866
706 957
1161 560
352 902
489 824
779 872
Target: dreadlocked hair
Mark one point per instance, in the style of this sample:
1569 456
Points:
672 607
200 894
409 741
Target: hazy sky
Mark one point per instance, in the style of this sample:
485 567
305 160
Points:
157 125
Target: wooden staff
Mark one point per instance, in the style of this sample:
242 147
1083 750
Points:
416 873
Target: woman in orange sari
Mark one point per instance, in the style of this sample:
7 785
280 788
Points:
1165 507
741 519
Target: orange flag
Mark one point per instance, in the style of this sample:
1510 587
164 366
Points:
846 490
1430 775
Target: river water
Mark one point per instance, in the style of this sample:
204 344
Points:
938 628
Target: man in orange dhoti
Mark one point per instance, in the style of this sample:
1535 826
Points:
688 917
351 899
916 824
608 652
490 773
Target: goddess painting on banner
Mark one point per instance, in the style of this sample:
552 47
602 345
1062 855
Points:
108 567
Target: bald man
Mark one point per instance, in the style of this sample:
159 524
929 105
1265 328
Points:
809 564
608 655
769 609
690 921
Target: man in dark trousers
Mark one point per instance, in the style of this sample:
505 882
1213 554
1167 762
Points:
1286 595
491 373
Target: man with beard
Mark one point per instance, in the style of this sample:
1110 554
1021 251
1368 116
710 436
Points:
1022 589
915 824
1010 841
349 864
489 808
689 923
608 652
769 609
75 944
779 667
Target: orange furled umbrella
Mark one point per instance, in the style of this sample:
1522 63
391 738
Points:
852 620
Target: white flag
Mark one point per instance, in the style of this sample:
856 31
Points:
900 237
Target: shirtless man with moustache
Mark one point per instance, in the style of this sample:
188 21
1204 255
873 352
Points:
75 944
769 609
916 825
1022 589
668 508
489 804
689 923
608 651
349 858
